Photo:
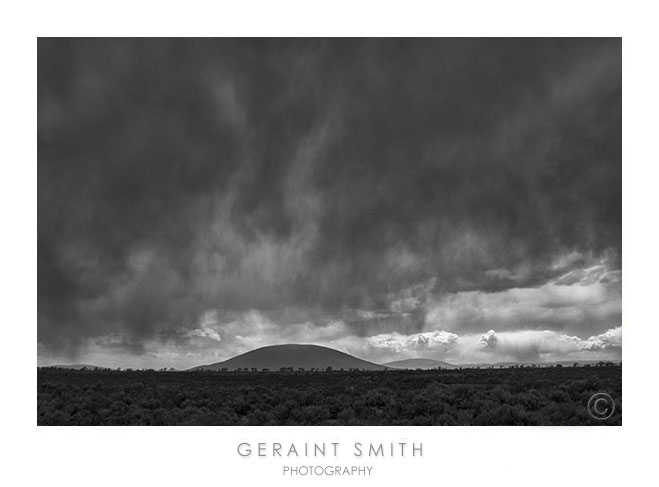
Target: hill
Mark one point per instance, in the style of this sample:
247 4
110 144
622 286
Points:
296 356
419 363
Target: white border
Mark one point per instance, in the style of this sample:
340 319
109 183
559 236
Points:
206 456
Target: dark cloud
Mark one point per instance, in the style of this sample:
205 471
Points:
322 176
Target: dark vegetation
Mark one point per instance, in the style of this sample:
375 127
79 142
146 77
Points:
513 396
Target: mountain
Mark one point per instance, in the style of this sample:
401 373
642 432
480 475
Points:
292 355
419 363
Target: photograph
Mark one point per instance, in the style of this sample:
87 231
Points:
329 231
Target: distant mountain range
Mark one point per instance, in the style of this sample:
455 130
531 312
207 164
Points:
293 356
316 357
419 363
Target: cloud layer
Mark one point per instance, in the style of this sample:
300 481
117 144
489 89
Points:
338 190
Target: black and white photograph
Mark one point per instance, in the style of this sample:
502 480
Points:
329 231
360 243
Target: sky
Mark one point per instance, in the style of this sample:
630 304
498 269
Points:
455 199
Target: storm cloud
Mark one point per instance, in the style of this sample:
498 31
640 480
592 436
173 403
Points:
333 190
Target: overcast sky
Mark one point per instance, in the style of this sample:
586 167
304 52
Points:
451 199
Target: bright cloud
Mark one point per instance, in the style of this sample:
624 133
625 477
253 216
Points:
434 340
204 333
549 345
580 307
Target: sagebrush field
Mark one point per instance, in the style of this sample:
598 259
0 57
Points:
513 396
